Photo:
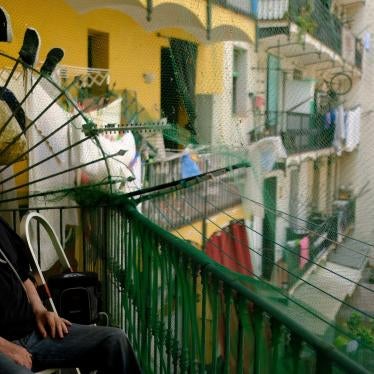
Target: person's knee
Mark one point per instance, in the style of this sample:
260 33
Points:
118 349
116 333
116 337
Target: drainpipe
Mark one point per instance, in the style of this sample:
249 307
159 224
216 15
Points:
205 213
149 10
208 18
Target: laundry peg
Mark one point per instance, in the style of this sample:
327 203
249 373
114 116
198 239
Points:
54 56
29 51
6 31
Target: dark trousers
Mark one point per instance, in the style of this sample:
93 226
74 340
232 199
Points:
105 349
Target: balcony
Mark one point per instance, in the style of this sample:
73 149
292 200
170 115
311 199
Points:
206 20
245 7
315 20
183 312
322 232
300 132
319 21
88 77
185 206
304 132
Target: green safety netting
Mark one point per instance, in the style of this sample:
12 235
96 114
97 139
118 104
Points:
253 192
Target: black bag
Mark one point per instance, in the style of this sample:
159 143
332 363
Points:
76 296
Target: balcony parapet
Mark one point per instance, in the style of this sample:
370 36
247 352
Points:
277 17
245 7
299 133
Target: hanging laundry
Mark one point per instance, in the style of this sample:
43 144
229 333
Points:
47 137
46 177
304 251
367 40
136 168
12 121
189 168
241 248
270 150
330 119
339 134
116 166
328 122
353 125
107 114
339 121
230 247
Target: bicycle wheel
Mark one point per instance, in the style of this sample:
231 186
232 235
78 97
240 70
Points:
340 83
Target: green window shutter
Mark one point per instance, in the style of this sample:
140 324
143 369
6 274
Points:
235 77
273 81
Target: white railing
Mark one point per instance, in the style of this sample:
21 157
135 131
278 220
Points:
272 9
88 76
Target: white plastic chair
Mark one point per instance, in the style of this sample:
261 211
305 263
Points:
25 234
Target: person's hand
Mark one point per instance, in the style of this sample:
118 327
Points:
18 354
49 323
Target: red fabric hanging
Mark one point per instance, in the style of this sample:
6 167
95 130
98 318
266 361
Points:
230 248
241 248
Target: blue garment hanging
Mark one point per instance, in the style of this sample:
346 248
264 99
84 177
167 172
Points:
189 168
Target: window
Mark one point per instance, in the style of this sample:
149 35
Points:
98 55
239 81
297 75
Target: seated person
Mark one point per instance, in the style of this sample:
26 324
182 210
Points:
32 338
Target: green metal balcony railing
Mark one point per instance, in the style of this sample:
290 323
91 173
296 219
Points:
169 168
312 16
324 25
300 132
185 206
305 132
185 313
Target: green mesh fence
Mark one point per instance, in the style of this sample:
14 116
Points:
244 130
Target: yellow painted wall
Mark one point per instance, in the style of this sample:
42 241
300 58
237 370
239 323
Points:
132 50
55 22
223 16
21 180
193 232
220 15
197 7
210 69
